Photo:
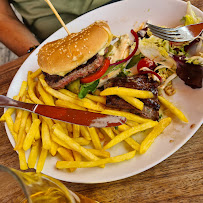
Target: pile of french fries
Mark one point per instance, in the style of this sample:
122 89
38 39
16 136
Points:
78 146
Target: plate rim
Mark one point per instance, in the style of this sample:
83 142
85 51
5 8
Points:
127 175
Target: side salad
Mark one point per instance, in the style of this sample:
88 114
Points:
159 59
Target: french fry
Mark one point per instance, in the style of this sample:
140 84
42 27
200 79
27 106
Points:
54 148
36 73
79 164
88 98
28 123
130 141
77 157
133 101
9 122
16 125
32 94
46 140
28 100
123 91
18 118
22 89
115 131
85 102
100 134
63 126
81 102
123 127
37 134
10 111
31 87
47 98
95 98
97 92
60 126
34 153
100 153
34 116
68 104
85 133
67 155
48 121
39 96
81 141
173 109
69 127
69 93
95 138
59 141
108 132
72 144
76 131
157 130
133 143
31 134
21 134
122 136
22 159
131 123
41 161
129 116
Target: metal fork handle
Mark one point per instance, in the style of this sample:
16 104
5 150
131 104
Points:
8 102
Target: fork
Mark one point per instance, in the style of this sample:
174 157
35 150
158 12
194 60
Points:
180 34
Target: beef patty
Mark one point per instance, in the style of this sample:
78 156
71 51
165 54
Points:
59 82
140 82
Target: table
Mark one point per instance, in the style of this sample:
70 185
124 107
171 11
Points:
177 179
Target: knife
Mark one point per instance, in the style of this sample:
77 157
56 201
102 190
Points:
73 116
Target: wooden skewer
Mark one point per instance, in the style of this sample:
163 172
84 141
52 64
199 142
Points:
58 16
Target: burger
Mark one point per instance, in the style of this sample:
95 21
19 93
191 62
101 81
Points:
93 58
76 56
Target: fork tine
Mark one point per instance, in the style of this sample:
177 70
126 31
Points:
181 34
166 36
161 28
169 38
164 31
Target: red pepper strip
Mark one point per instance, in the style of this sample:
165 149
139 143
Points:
152 72
132 54
98 74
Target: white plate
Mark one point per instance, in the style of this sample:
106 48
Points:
123 16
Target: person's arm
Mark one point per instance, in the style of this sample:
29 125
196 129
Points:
13 33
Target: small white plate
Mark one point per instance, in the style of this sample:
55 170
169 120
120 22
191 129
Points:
122 17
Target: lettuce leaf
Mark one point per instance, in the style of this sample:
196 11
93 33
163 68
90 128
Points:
191 17
86 88
156 49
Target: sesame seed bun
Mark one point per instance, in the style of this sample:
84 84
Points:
63 55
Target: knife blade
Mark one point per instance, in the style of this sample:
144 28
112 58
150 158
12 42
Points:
73 116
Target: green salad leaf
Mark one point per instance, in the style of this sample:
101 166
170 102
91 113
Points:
191 17
134 60
87 88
